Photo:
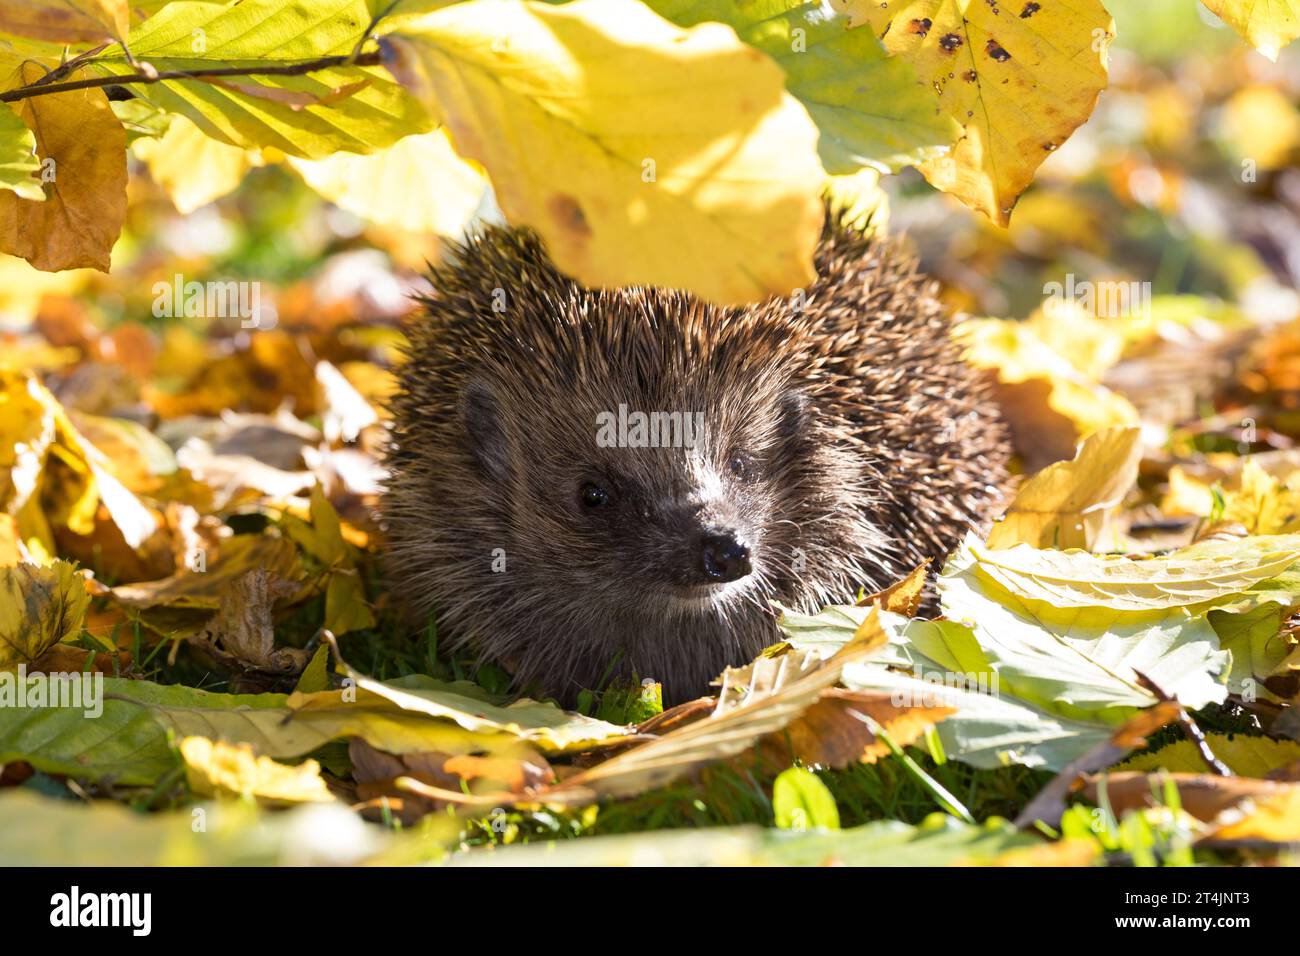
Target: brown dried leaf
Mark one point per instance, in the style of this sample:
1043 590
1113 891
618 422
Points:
242 633
83 146
831 734
902 597
1204 796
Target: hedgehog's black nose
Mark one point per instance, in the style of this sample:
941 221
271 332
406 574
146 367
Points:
725 558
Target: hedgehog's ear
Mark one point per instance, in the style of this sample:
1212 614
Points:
481 415
794 415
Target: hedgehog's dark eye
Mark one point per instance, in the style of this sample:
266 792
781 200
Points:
592 495
741 466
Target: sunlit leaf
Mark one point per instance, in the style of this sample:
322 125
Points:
1018 78
705 178
871 108
1066 505
251 111
418 184
18 160
1266 26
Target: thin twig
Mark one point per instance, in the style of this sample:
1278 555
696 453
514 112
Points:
371 58
1194 733
67 66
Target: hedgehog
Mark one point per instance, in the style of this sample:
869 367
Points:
627 484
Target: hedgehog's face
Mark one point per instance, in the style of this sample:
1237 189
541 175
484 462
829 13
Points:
662 500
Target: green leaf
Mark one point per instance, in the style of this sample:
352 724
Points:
1245 756
125 743
1082 662
129 741
1256 646
18 161
871 108
800 801
310 116
986 730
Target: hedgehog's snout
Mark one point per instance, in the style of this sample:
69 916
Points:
724 557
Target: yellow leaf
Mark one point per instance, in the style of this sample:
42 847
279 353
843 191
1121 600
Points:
1265 504
1267 26
216 768
1092 344
1269 819
74 21
345 603
1066 505
1203 573
418 184
82 146
864 203
1049 403
704 176
39 607
1019 77
191 166
9 553
1245 756
34 428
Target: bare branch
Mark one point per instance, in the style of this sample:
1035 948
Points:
42 87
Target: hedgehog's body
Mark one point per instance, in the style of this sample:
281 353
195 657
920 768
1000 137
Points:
843 442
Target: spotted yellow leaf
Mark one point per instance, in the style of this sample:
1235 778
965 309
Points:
705 177
1019 76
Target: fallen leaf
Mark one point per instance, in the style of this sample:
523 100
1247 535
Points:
242 633
1245 756
904 596
215 768
39 607
1204 796
1067 504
